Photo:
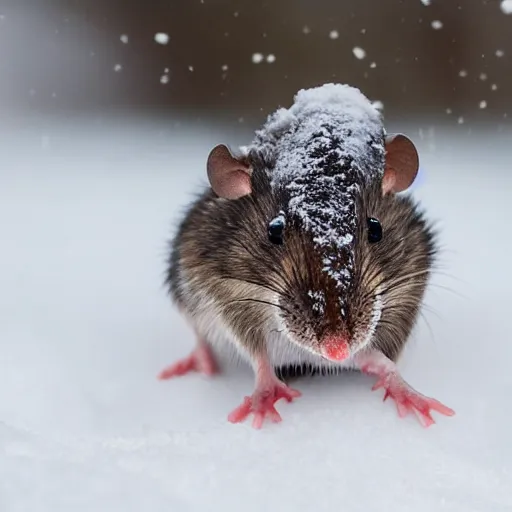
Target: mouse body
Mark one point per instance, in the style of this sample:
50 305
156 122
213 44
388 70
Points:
302 253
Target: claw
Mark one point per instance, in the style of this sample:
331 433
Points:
261 404
408 400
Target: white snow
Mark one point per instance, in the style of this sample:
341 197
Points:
271 58
426 2
334 34
318 298
494 87
378 105
224 67
191 68
483 77
118 68
500 53
483 104
437 25
162 38
86 326
164 79
373 65
506 6
124 38
463 73
257 58
358 52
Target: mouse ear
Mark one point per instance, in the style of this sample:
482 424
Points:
402 163
229 177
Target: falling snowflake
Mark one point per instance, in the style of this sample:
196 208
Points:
463 73
162 38
358 52
483 104
437 25
506 6
257 58
118 68
271 58
334 34
124 38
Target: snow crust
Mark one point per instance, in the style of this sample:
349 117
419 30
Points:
87 206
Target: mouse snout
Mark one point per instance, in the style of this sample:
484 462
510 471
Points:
335 348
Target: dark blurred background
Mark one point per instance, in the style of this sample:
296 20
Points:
100 55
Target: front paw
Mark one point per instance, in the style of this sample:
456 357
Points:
262 404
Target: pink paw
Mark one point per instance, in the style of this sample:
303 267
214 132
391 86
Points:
200 360
409 400
261 404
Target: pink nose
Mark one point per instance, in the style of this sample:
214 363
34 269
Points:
335 349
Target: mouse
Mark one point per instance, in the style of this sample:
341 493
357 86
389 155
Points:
305 250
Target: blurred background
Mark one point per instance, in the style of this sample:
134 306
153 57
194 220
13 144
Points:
108 109
240 59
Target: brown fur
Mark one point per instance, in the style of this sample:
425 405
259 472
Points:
223 250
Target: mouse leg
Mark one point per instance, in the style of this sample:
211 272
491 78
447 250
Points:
407 399
268 390
200 360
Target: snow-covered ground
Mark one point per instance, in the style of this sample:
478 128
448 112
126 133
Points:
86 208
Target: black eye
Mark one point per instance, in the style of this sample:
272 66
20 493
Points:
276 230
374 230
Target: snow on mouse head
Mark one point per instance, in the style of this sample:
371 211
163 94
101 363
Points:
312 170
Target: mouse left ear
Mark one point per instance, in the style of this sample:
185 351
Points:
402 163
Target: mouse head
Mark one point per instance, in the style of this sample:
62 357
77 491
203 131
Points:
328 233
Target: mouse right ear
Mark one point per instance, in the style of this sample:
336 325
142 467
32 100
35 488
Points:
229 177
402 163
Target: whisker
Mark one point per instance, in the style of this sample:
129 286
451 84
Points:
447 289
255 283
260 301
